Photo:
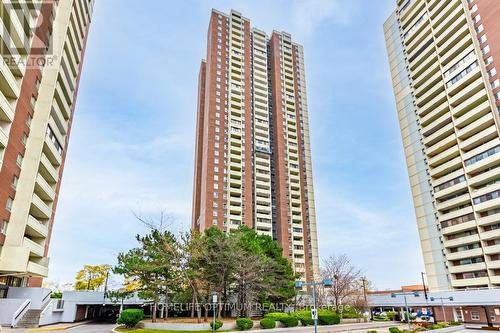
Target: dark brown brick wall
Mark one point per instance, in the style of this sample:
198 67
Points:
199 144
23 111
302 168
490 13
281 171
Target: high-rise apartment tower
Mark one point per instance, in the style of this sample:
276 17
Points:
253 155
444 56
43 44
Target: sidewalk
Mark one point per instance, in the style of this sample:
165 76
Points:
47 328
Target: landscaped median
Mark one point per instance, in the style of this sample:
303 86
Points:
435 328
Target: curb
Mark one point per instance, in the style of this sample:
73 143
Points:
59 328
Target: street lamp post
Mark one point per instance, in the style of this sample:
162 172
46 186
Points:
442 304
214 301
327 283
407 310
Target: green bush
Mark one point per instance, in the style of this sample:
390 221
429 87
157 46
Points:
130 317
394 330
277 315
244 324
327 317
268 323
218 324
372 331
304 317
436 326
391 315
380 318
454 323
289 321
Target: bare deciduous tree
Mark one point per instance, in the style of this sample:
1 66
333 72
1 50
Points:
345 277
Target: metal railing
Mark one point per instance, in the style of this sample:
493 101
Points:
18 315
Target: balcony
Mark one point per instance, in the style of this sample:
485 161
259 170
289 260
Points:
3 138
37 269
465 83
464 254
51 152
489 235
487 220
8 83
436 119
467 268
494 265
461 241
61 100
487 205
495 280
453 40
47 170
479 138
447 16
483 164
6 110
35 228
39 208
444 156
432 104
489 250
453 29
442 145
476 126
43 189
448 204
470 282
467 88
446 167
36 250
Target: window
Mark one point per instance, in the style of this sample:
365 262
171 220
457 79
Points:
459 63
5 226
19 160
495 84
449 183
482 156
486 49
24 139
14 182
215 213
216 186
483 39
489 60
9 203
474 315
492 72
28 120
462 74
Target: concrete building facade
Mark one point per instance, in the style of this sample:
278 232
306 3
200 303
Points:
43 45
443 57
253 158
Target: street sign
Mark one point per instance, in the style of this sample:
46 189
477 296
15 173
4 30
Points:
314 314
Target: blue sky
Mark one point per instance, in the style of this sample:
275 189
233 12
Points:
132 143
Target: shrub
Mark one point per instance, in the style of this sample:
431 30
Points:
436 326
326 317
454 323
380 318
394 330
289 321
268 323
277 315
304 317
244 324
372 331
391 315
218 324
130 317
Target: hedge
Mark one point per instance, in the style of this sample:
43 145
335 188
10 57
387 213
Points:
304 317
394 330
268 323
218 324
289 321
244 324
130 317
277 315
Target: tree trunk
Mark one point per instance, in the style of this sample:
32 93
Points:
154 313
193 304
